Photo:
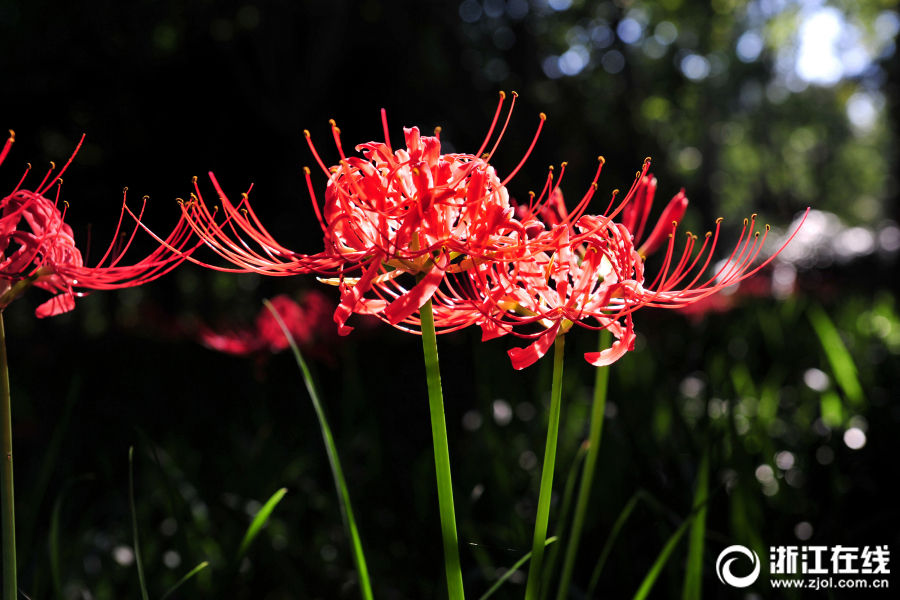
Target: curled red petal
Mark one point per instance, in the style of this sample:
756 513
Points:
56 305
490 330
350 297
410 301
614 352
525 357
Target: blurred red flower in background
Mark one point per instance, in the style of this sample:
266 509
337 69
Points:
307 320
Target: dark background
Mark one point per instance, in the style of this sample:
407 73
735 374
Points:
168 90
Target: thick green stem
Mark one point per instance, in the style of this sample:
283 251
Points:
533 585
598 410
441 455
9 514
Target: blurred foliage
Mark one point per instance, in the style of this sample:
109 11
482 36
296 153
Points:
713 93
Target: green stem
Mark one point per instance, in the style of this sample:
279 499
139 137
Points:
441 455
533 585
598 411
337 472
9 514
18 288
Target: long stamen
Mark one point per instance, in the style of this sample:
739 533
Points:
678 273
9 142
663 272
22 179
118 226
649 192
42 188
527 152
505 125
336 134
709 255
586 199
634 185
490 132
46 177
315 203
544 197
384 126
315 154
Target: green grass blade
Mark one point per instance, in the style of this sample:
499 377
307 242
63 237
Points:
55 577
533 585
661 560
839 357
260 520
53 545
177 505
185 579
138 560
694 573
53 541
337 472
511 570
611 540
26 532
564 510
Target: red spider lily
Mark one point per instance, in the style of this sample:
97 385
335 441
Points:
38 248
305 320
595 275
589 275
402 227
412 212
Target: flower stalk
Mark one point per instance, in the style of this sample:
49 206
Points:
9 515
441 455
532 586
598 410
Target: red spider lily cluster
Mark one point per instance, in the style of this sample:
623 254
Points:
408 226
305 320
37 247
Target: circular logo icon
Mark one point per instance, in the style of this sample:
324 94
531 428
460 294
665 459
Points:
723 566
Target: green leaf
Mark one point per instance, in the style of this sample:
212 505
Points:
53 541
337 472
185 579
832 409
260 520
138 561
565 509
54 547
694 572
661 560
509 572
842 365
613 535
